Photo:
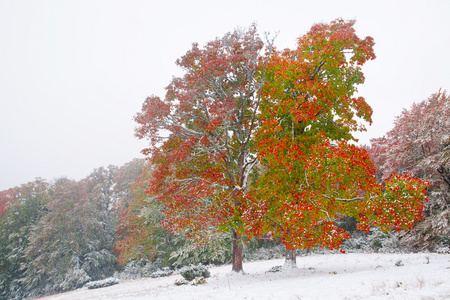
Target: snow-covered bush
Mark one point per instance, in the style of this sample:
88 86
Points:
443 249
102 283
140 268
73 279
191 272
263 252
275 269
161 273
132 270
98 263
375 241
358 243
385 242
217 251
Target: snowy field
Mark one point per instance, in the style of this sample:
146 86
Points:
332 276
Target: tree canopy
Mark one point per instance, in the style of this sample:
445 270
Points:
313 175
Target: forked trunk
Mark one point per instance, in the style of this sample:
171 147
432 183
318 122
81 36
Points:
290 259
237 253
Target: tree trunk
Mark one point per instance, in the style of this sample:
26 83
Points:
237 253
290 259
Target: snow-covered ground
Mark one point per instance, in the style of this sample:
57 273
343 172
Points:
331 276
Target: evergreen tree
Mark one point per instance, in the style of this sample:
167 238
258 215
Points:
16 225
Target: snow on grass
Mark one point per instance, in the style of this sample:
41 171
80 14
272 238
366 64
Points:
331 276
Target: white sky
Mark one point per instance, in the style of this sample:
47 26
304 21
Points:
73 73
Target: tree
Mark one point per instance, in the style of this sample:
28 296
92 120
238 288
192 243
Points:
201 137
73 243
26 209
131 180
124 179
419 145
140 233
312 175
55 244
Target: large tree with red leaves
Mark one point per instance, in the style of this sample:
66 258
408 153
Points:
312 175
202 137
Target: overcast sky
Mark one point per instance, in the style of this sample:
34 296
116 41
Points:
73 73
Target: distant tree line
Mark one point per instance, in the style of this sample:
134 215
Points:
56 236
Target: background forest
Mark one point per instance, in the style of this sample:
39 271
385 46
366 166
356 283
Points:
130 221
